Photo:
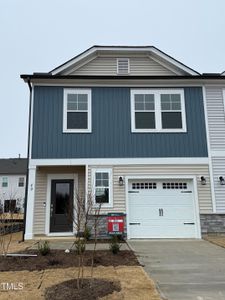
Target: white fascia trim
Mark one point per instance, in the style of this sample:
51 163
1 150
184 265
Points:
195 192
119 161
165 65
209 150
77 67
157 93
93 50
89 113
144 49
171 83
173 62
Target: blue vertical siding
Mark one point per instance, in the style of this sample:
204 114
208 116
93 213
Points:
111 135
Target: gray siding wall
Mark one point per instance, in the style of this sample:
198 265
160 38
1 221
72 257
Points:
216 117
218 165
216 127
111 128
108 66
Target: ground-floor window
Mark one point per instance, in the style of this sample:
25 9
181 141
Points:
102 182
10 206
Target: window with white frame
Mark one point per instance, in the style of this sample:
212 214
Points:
171 112
77 110
102 181
4 181
158 110
21 182
144 107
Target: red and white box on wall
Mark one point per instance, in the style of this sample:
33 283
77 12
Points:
115 223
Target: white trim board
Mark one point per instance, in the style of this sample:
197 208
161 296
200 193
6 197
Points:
157 110
51 177
168 83
88 111
119 161
110 172
150 49
195 193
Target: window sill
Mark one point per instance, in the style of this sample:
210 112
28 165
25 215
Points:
96 205
159 131
77 131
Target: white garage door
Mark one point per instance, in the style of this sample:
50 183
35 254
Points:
161 209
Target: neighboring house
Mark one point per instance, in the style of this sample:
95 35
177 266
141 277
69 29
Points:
128 124
12 184
215 103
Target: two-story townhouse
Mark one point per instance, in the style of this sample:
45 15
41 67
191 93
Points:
214 94
127 124
12 184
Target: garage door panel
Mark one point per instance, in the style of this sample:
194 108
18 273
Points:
170 231
164 211
178 199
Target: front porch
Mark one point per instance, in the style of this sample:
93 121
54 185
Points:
52 191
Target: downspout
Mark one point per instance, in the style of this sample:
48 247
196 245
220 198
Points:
28 156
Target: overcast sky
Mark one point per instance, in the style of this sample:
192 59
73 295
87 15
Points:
39 35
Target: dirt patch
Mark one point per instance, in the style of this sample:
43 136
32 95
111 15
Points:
91 289
218 240
60 259
135 283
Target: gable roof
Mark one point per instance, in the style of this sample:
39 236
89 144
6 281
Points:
151 50
13 166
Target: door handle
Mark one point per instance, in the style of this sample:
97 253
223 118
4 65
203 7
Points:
160 212
51 210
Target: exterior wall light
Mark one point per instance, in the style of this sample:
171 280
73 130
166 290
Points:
203 180
222 180
121 181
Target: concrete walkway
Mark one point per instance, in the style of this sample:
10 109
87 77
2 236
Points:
184 269
63 245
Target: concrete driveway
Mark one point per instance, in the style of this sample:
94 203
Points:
184 269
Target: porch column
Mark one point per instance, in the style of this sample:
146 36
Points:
30 203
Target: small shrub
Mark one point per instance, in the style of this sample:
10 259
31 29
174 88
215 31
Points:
114 245
87 233
43 248
80 246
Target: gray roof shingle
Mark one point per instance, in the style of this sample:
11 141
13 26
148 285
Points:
12 166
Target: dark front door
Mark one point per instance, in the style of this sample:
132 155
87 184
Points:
61 210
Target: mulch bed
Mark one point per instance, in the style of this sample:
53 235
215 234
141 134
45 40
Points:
60 259
91 289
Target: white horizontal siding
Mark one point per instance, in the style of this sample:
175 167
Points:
216 118
119 205
218 164
108 66
41 192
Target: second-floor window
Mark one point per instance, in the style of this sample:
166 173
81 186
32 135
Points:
77 110
154 110
4 181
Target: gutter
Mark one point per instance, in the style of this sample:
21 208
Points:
27 77
28 156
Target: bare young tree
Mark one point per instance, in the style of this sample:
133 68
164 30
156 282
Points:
81 214
96 215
